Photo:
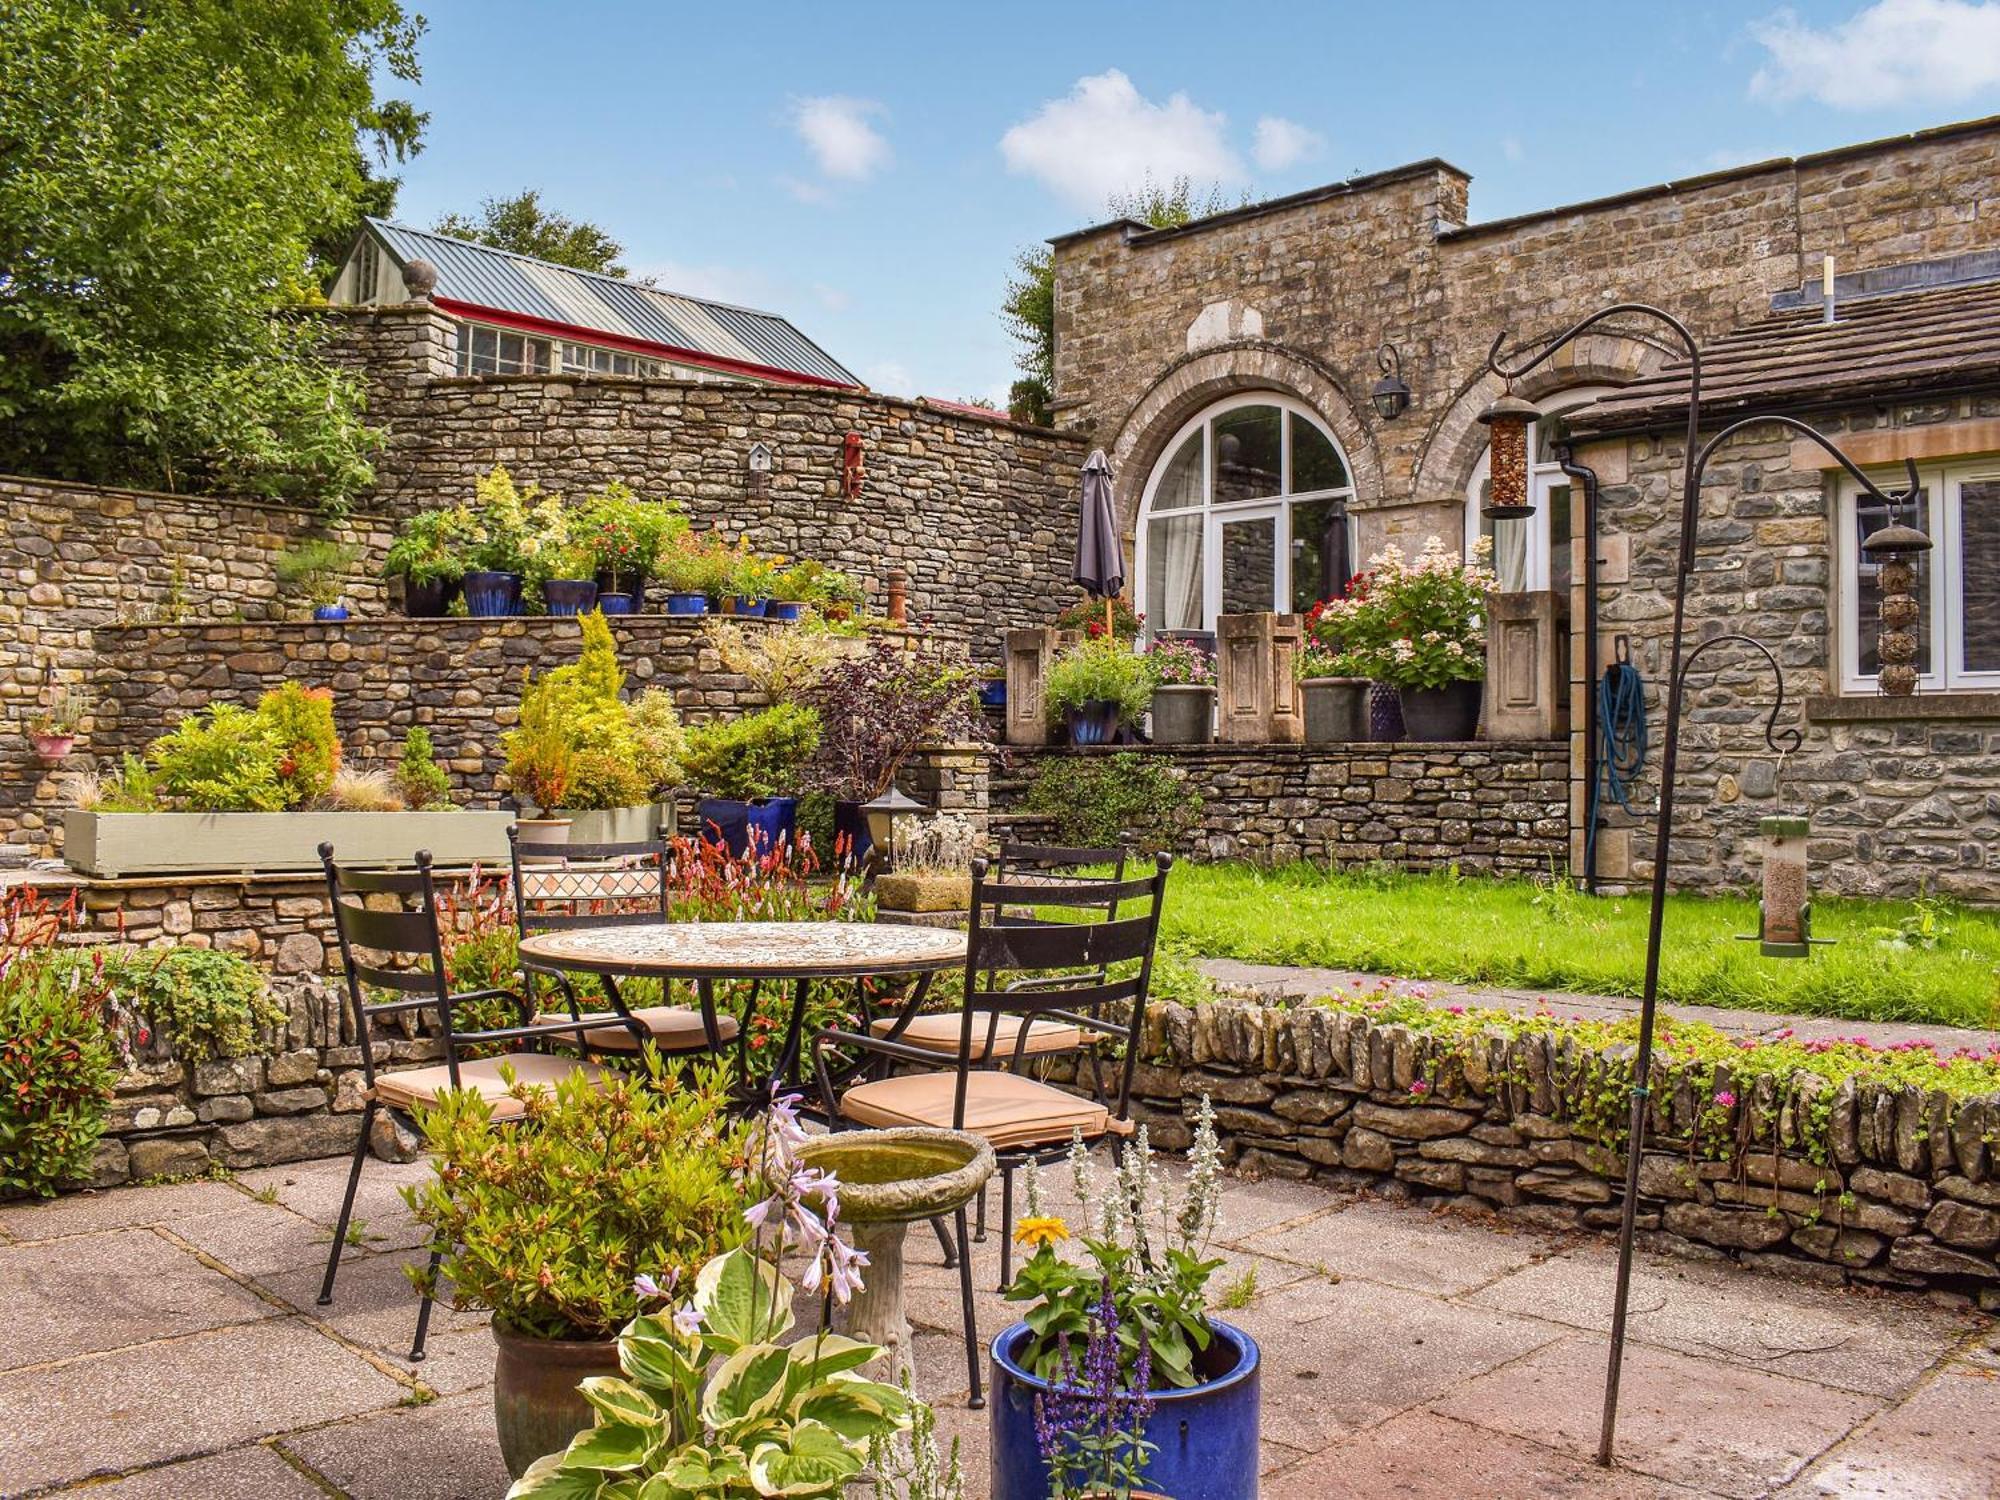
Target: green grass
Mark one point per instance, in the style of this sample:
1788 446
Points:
1525 935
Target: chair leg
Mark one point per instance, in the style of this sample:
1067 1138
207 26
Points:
1006 1227
977 1398
979 1234
347 1204
424 1311
945 1242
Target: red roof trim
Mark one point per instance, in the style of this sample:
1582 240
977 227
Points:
524 323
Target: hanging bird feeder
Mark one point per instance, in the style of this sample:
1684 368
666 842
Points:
1507 488
1895 548
1785 912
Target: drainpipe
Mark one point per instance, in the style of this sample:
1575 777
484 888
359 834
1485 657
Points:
1587 478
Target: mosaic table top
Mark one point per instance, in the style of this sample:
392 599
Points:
749 950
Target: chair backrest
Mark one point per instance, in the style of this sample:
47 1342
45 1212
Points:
396 932
1067 964
588 885
1054 870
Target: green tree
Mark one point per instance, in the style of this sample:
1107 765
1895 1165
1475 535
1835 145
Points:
165 166
522 225
1029 306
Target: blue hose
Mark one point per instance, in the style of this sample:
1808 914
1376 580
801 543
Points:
1621 729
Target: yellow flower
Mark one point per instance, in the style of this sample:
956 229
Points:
1039 1231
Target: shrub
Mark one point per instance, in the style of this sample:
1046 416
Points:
781 664
1122 798
224 759
1086 617
1099 671
300 721
420 780
430 546
1416 625
354 790
578 707
550 1219
206 1003
876 708
316 569
754 755
656 726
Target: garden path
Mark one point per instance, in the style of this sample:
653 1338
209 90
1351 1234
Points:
168 1335
1280 981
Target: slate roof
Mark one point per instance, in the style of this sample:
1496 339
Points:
479 276
1903 344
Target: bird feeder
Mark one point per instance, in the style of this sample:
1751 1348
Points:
1895 549
1785 928
1507 491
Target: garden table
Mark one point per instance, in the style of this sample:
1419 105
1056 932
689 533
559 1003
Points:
707 953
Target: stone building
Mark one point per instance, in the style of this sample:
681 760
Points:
1226 367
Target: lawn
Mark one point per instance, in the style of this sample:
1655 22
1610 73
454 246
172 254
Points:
1525 935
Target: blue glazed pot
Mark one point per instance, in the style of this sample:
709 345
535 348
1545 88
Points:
329 611
993 693
1205 1438
687 604
737 826
615 604
492 596
788 610
1092 723
569 596
743 604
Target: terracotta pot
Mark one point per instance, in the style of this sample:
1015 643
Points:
536 1407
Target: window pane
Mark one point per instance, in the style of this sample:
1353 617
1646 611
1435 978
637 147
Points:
1173 572
1315 464
1321 564
1558 500
1248 454
1870 517
1509 545
1979 565
1249 565
1180 482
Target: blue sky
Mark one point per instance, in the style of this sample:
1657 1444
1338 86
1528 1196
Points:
870 170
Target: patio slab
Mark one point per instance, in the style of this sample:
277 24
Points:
254 1473
1941 1444
441 1451
1400 1245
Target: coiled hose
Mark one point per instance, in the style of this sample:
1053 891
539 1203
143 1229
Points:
1621 727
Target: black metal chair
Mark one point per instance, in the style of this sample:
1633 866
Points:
411 963
560 887
1024 1119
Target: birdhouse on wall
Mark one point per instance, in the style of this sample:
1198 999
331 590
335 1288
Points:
760 468
850 466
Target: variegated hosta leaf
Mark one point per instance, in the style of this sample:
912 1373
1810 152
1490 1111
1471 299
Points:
817 1462
849 1409
742 1300
816 1360
749 1384
622 1401
702 1474
610 1445
547 1479
655 1360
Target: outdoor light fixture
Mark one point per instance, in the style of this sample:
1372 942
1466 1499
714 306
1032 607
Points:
882 815
1896 548
1785 915
1391 396
1507 487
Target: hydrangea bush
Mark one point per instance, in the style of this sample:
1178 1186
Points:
1414 625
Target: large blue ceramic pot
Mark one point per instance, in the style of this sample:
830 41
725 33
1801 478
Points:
766 822
492 595
569 596
1204 1438
1092 723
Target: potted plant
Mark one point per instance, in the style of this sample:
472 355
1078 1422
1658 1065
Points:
747 585
428 555
53 728
693 569
840 595
877 708
502 542
1096 687
1086 618
1170 1393
1334 685
539 765
792 589
747 770
316 569
627 536
550 1217
1421 628
564 571
1183 691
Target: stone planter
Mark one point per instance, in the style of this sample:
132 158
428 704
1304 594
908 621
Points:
1446 713
1182 715
260 843
619 825
1336 709
536 1406
924 891
1204 1438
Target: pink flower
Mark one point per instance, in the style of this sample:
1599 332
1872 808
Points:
1725 1098
1420 1087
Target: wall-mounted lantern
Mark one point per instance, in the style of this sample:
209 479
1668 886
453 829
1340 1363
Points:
850 466
1507 492
1896 548
1390 395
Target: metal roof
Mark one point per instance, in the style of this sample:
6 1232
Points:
588 301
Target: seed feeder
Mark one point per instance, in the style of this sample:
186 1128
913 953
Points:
1784 913
1895 549
1507 489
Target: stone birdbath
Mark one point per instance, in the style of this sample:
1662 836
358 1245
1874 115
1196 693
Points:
889 1180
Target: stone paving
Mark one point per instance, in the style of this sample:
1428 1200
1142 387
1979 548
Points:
168 1336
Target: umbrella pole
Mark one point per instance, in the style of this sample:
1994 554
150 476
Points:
1110 630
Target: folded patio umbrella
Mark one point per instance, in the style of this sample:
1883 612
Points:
1100 560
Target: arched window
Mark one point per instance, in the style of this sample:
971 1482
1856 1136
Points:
1246 511
1532 556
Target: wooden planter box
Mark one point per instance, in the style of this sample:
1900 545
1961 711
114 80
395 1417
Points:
260 843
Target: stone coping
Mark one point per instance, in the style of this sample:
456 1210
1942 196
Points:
1829 709
1371 749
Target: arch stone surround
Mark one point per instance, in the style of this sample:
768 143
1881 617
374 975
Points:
1202 379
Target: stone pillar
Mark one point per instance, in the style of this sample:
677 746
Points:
1026 655
1527 666
1258 695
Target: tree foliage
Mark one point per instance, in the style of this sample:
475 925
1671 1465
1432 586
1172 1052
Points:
522 225
165 168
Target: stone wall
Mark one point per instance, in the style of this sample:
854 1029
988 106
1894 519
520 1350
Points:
1482 807
1902 795
1894 1188
77 558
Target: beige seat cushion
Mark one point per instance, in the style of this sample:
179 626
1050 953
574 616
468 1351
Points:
421 1086
940 1034
674 1028
1006 1108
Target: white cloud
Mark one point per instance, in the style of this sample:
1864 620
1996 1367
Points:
804 191
1893 52
835 129
889 376
1282 143
1105 137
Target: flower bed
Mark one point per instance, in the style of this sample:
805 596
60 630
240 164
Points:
1864 1163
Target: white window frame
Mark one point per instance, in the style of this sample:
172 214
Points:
1282 505
469 332
579 358
1545 477
1943 619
